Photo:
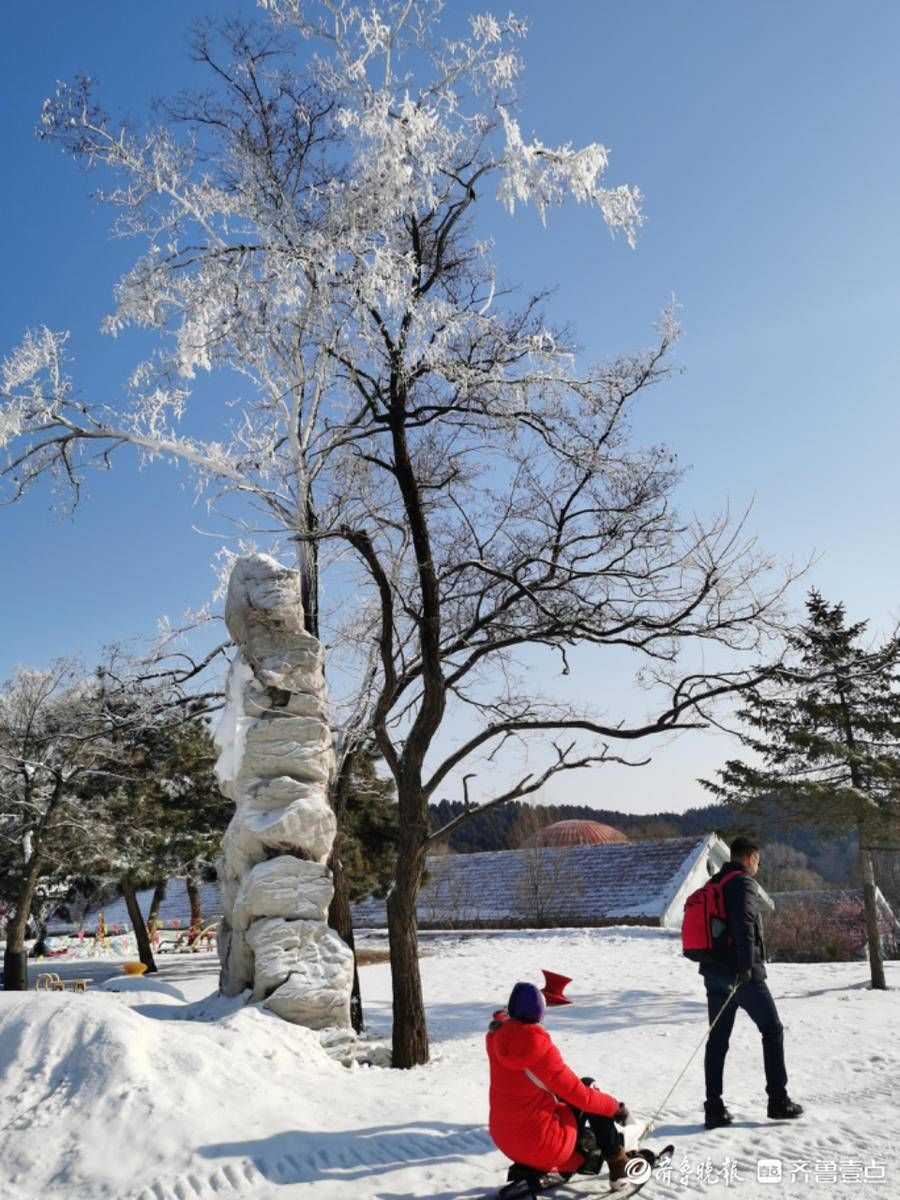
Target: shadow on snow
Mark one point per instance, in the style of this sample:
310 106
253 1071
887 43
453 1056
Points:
299 1156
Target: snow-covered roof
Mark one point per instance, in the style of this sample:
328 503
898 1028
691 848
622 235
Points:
609 883
573 885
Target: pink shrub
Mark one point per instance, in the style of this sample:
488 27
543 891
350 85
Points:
820 931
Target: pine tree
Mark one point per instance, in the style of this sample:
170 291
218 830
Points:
168 816
364 854
367 838
826 729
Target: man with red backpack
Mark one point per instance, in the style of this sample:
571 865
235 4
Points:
742 965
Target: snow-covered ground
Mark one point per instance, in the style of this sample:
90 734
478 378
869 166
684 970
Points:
162 1091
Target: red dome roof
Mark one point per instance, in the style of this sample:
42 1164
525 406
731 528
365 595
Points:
575 833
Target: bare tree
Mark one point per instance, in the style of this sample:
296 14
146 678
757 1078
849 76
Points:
548 883
452 897
70 749
408 426
53 738
531 820
784 869
654 830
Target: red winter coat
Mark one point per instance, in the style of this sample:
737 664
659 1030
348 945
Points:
529 1084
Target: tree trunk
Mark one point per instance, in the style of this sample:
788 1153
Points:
340 921
15 958
39 949
145 950
339 910
309 572
15 970
196 911
159 894
410 1033
410 1039
873 933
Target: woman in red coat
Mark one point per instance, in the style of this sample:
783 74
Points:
540 1109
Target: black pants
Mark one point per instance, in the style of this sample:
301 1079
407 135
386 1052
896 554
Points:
756 1000
606 1137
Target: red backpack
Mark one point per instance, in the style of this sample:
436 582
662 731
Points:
704 930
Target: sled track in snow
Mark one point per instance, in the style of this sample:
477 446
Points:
355 1159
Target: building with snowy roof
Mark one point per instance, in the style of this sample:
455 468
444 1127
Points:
603 883
593 884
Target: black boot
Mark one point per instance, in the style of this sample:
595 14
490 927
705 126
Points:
716 1114
784 1109
522 1180
649 1156
592 1165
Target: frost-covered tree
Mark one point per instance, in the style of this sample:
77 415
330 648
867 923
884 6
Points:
80 771
825 733
52 738
434 447
785 869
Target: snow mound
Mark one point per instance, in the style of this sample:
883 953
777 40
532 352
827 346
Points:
74 1068
133 1095
138 986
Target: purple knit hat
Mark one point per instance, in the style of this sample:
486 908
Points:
526 1004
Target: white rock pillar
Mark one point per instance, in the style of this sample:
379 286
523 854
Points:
276 761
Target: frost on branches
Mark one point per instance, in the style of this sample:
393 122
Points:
461 489
272 223
92 791
52 738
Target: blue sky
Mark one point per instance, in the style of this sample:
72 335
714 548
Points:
763 137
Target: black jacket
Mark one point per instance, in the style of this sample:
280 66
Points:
746 948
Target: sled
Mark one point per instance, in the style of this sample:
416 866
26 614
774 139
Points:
528 1183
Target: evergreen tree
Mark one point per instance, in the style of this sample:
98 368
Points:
826 730
367 837
363 858
167 816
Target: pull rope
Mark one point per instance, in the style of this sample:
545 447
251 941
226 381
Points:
652 1122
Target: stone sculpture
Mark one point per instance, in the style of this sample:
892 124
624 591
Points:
276 760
